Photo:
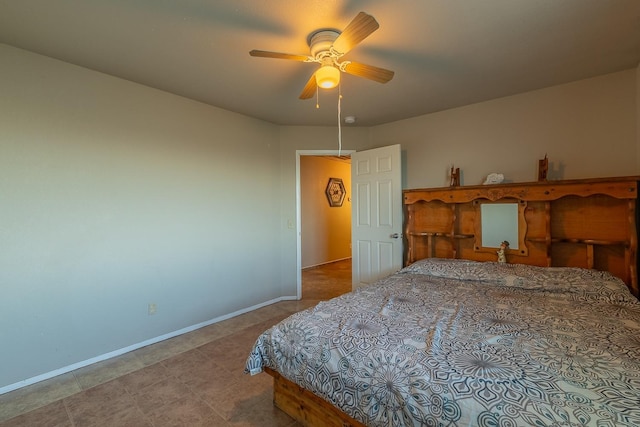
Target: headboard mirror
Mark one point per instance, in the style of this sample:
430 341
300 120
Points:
499 221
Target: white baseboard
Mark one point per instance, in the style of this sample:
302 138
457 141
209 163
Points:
115 353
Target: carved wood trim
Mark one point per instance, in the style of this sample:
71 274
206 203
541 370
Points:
621 188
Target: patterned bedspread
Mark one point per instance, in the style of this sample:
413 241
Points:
463 343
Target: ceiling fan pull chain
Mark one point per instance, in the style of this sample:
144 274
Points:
339 121
317 97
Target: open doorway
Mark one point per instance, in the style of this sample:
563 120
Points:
324 224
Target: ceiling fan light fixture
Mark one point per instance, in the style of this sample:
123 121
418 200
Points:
327 46
327 77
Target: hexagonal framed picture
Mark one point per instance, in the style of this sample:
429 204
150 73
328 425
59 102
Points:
335 192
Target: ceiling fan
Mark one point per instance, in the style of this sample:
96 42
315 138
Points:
327 47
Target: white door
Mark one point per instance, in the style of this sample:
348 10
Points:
376 214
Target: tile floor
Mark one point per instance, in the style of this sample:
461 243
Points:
196 379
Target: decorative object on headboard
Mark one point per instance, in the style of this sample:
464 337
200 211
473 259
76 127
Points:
455 177
543 168
502 256
589 223
493 178
335 192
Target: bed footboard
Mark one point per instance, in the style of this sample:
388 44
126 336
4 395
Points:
305 407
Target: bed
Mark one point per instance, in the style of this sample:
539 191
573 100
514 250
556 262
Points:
452 340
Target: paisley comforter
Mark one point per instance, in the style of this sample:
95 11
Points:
463 343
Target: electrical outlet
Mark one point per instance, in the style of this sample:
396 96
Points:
152 308
290 223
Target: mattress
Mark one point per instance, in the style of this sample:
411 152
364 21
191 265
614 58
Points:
464 343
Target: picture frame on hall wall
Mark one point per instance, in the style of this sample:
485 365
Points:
335 192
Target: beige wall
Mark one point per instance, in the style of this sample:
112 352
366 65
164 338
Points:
115 195
587 129
326 230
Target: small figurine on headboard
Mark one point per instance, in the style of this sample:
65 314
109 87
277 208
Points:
502 256
543 168
455 177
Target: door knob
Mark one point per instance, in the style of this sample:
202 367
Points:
395 235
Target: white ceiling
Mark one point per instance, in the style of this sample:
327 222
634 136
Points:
445 53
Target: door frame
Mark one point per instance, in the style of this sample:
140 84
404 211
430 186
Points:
300 153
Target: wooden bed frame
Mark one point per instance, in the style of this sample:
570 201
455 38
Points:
305 407
590 223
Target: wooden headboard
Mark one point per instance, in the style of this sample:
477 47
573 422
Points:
589 223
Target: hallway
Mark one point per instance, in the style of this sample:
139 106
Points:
326 281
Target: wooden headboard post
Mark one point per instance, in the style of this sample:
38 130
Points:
589 223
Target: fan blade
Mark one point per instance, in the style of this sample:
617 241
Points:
370 72
357 30
310 88
278 55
